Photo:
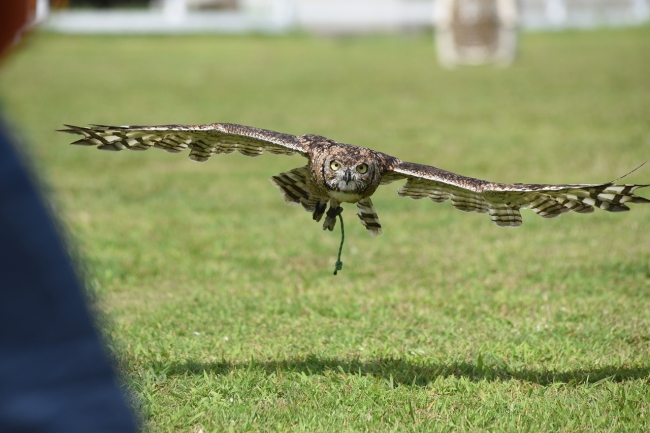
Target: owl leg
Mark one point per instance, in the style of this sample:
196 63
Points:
330 218
368 216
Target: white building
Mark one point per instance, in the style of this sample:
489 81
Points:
329 16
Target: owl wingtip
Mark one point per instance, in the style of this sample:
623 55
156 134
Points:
70 129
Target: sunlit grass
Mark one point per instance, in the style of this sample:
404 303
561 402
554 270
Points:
219 300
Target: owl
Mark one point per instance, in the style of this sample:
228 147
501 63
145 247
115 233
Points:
339 173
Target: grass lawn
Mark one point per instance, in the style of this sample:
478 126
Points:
218 300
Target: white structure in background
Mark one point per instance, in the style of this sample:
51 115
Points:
174 11
180 16
329 16
560 14
473 32
362 16
41 11
556 12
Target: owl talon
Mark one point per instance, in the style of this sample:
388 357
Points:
330 220
329 224
319 210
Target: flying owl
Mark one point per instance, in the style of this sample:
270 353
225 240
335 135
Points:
339 173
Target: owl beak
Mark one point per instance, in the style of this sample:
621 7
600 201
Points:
348 176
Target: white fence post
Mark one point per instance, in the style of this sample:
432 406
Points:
42 11
640 10
556 12
174 11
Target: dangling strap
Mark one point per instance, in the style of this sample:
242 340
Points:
339 263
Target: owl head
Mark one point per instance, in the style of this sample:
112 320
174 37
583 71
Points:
352 174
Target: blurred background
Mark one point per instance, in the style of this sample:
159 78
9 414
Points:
468 31
322 16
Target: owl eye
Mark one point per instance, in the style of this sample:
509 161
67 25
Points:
362 168
335 165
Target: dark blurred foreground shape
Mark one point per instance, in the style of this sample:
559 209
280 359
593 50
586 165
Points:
54 373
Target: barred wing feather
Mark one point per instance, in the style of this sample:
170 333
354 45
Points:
503 201
202 140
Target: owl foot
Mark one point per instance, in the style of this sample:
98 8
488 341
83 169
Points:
330 220
319 210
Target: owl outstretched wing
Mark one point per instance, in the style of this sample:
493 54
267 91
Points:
503 201
202 140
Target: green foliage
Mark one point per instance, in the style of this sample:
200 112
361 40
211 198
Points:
218 300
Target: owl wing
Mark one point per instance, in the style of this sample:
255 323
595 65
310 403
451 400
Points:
202 140
503 201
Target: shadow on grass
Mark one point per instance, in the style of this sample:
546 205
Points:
406 372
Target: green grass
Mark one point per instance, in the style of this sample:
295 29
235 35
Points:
218 299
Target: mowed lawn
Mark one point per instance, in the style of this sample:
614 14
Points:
218 299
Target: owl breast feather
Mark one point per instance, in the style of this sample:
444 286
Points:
346 197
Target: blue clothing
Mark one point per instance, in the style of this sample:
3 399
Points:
54 373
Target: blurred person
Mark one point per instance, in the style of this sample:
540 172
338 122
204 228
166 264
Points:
54 373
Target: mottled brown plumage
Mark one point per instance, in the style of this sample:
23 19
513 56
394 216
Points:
341 173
